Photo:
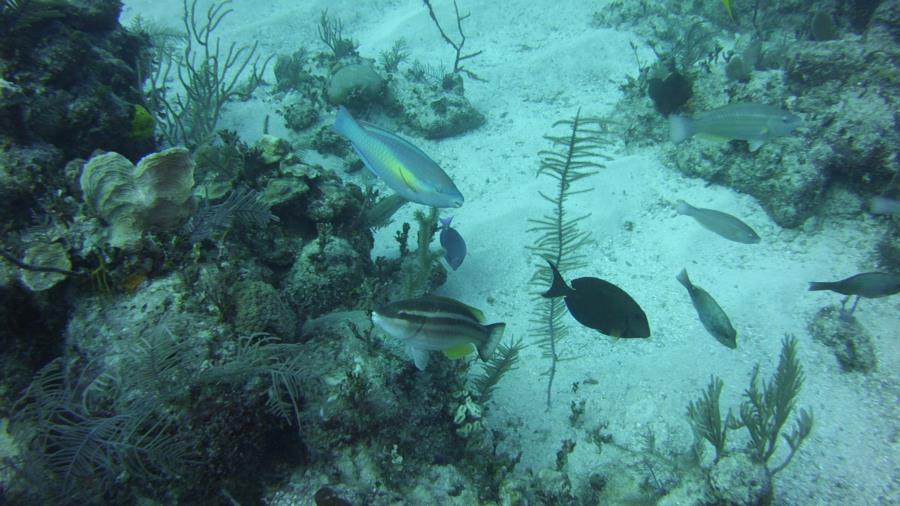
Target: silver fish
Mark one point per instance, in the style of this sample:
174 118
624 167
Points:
405 168
711 314
721 223
433 323
754 123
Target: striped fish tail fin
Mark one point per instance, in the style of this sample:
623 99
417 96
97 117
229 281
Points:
495 333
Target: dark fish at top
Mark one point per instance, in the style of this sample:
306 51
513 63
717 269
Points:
600 305
711 314
870 285
453 244
721 223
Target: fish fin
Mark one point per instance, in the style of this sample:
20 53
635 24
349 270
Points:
683 278
460 351
727 4
754 145
682 207
680 127
474 310
344 122
820 285
495 333
419 356
714 138
558 288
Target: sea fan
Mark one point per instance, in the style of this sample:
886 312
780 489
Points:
560 241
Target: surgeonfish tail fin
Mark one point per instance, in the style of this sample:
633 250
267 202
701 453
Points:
558 288
820 285
680 128
495 333
683 278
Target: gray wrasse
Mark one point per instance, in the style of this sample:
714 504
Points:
721 223
711 314
432 323
600 305
870 285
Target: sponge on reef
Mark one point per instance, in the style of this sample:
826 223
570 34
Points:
157 193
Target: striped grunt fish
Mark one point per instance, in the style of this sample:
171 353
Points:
433 323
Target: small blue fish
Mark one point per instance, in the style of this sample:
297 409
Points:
453 244
405 168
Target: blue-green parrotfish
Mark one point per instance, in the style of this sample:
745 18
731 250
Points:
600 305
713 318
405 168
432 323
453 243
721 223
754 123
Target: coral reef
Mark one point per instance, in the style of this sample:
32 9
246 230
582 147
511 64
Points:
852 345
848 135
157 193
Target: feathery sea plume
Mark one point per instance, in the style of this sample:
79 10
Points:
576 156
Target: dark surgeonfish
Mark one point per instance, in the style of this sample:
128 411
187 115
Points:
870 285
433 323
453 244
711 314
600 305
721 223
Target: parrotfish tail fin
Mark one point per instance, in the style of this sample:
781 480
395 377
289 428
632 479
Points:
486 350
683 278
682 207
344 122
680 128
445 222
820 285
559 288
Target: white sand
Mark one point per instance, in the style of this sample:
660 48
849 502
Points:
542 61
